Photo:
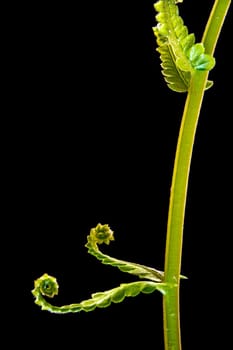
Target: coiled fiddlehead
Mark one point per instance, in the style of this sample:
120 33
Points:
179 53
96 237
47 286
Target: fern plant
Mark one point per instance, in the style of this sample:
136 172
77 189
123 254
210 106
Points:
185 66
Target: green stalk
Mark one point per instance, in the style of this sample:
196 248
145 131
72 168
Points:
214 25
177 209
178 195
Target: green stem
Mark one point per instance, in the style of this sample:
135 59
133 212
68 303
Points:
178 195
177 209
214 25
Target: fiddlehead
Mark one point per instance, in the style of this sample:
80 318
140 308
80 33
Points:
103 234
179 53
47 286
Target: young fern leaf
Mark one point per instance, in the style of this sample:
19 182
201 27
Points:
47 286
179 53
103 234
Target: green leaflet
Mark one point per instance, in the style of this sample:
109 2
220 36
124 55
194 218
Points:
179 54
100 299
176 79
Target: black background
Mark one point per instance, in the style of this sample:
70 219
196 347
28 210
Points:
93 131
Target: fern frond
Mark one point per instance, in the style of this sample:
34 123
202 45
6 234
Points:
135 269
47 286
179 53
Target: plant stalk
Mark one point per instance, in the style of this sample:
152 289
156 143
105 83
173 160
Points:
177 209
179 187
